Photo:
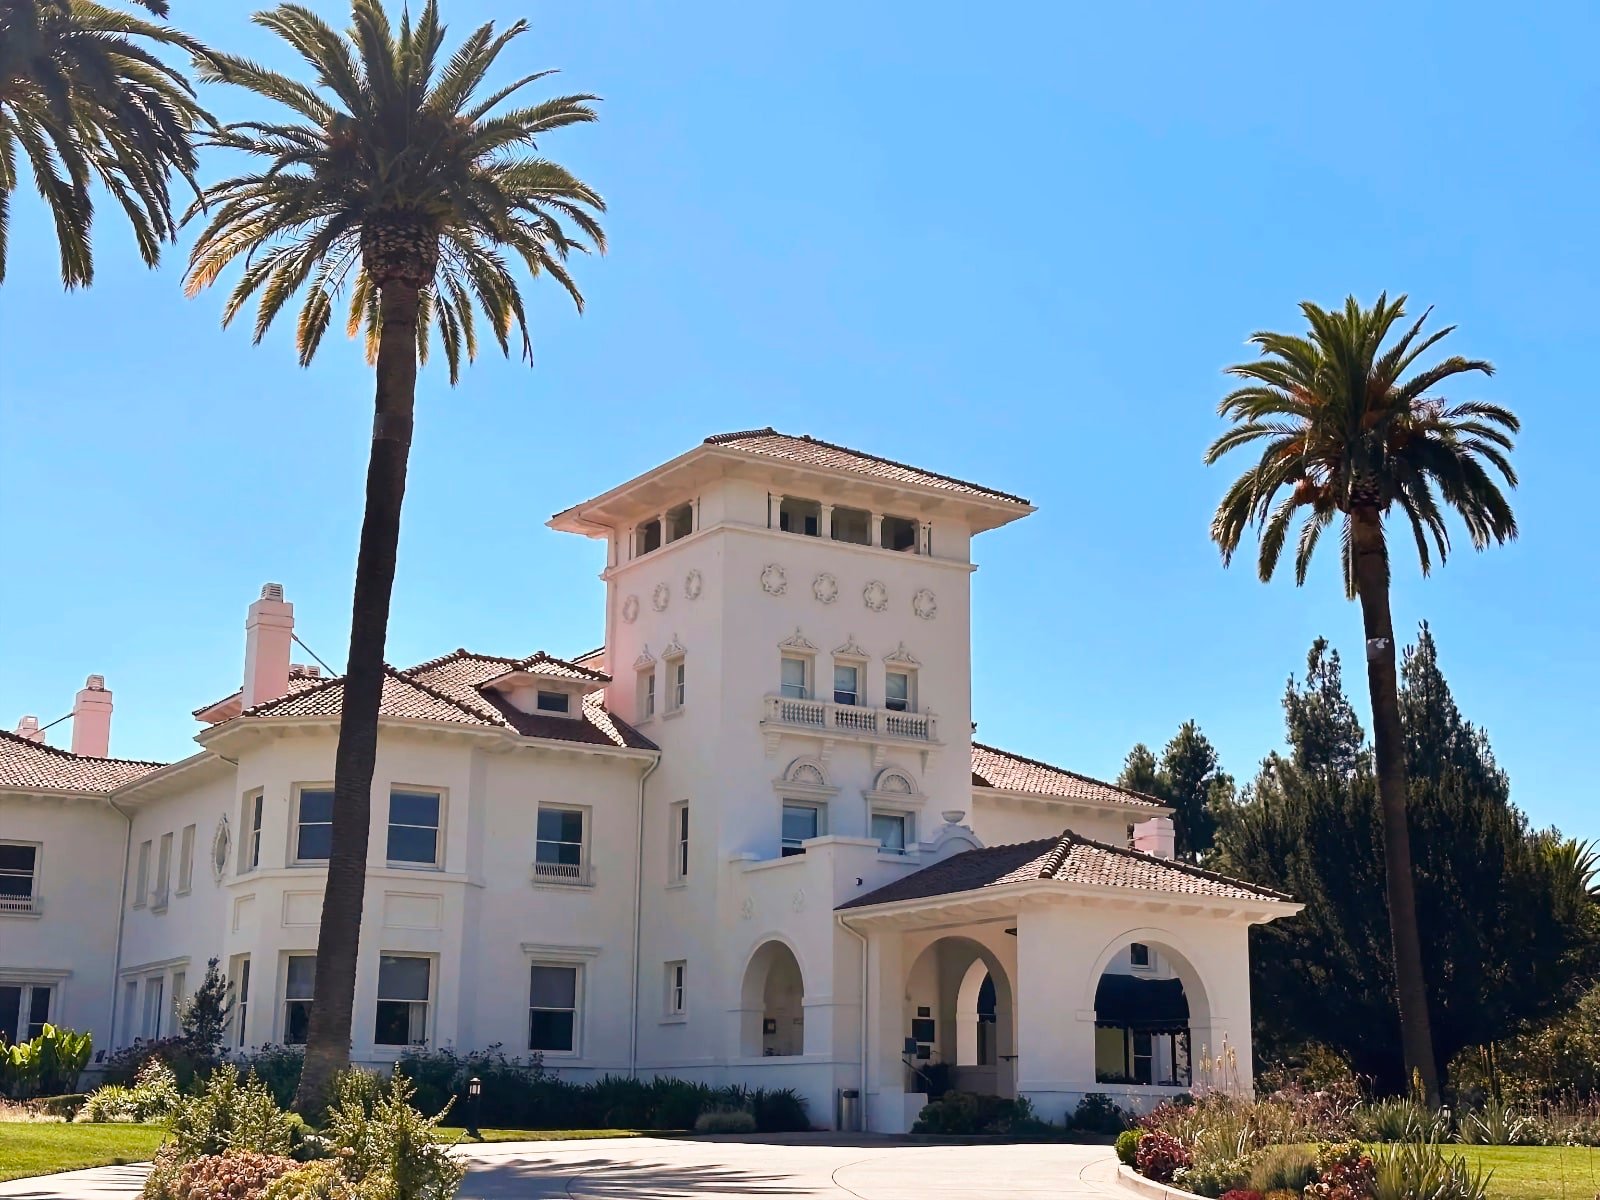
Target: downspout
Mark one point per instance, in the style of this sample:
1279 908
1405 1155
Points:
122 914
638 903
866 1120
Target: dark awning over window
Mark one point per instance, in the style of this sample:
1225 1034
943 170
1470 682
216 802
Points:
1138 1003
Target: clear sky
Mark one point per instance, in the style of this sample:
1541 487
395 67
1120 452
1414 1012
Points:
1011 242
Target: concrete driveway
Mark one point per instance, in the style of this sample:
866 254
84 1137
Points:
668 1169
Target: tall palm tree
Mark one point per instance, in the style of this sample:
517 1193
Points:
1348 435
391 185
84 97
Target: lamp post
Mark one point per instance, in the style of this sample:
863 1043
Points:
474 1095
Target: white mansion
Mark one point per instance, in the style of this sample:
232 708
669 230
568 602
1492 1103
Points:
750 839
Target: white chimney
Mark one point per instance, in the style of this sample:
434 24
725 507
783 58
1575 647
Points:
28 728
91 719
1157 837
268 642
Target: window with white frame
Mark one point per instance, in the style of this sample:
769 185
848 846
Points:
677 681
239 974
186 860
559 852
180 984
892 831
647 693
1140 958
402 1016
795 677
553 996
153 1012
163 872
679 827
801 822
24 1011
141 889
899 533
900 690
676 997
313 824
553 702
847 683
130 1010
299 985
416 816
19 877
250 843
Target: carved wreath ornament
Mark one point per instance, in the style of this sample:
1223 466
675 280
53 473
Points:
693 584
825 588
660 597
924 604
875 596
630 609
774 580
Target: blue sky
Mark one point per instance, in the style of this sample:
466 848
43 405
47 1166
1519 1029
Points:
1015 243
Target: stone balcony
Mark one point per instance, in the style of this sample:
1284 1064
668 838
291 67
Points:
878 727
20 906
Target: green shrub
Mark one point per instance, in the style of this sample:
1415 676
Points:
47 1065
725 1120
154 1096
1397 1121
230 1114
1097 1114
189 1065
1422 1171
1160 1156
781 1110
386 1144
321 1180
1344 1170
1128 1145
965 1112
278 1067
1497 1124
1284 1167
64 1107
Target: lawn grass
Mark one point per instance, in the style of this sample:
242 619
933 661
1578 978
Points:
453 1133
1537 1172
44 1147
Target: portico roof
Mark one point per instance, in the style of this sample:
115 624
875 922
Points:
1069 859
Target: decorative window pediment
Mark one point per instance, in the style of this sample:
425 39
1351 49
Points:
645 661
805 777
851 649
674 648
798 641
895 787
900 656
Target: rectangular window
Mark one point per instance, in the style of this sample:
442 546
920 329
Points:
1139 955
163 871
899 533
180 982
24 1011
897 691
186 860
558 854
800 516
852 525
801 822
680 841
130 1009
1143 1057
19 874
675 991
313 835
250 843
554 702
141 890
889 831
553 1008
679 678
402 1001
38 1010
414 818
299 984
647 695
794 678
153 1012
846 683
647 537
241 996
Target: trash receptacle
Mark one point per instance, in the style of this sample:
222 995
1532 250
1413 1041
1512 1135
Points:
849 1110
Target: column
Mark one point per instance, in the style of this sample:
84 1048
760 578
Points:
825 521
1054 1034
875 536
886 1084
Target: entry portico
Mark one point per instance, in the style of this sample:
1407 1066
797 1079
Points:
1029 932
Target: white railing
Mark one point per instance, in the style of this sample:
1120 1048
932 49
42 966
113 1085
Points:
19 906
575 874
825 716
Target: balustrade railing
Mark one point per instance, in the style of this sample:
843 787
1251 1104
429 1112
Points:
24 906
825 716
569 873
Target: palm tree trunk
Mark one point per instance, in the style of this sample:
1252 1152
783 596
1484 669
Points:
1372 585
338 939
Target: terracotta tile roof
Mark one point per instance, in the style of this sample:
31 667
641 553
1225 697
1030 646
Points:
809 451
1067 859
453 688
299 681
1009 772
25 764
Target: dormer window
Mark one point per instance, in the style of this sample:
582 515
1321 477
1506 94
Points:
899 533
647 537
680 522
554 702
800 516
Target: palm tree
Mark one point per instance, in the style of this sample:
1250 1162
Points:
391 185
1346 434
85 98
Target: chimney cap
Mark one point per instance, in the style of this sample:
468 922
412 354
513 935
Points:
95 683
272 591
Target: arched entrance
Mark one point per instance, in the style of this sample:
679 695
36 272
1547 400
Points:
773 1004
1146 1002
960 1020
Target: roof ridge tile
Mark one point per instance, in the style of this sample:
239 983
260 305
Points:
1176 864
